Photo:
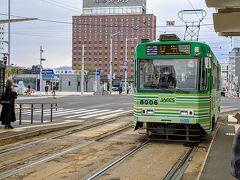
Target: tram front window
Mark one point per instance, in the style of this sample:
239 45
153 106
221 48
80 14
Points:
168 74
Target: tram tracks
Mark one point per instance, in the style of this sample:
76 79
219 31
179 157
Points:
109 165
21 168
41 157
180 166
176 171
59 135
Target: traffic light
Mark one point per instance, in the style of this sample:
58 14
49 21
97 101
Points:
5 60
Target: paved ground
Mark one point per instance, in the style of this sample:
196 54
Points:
218 162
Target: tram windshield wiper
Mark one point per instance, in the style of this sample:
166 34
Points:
181 90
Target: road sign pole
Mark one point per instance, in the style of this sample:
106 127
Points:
40 75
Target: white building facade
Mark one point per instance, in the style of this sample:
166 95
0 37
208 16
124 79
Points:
225 74
114 7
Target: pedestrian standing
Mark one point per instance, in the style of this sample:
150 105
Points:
236 156
54 92
120 89
8 105
46 90
29 90
128 88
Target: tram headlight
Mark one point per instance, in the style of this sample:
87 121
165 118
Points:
148 112
186 112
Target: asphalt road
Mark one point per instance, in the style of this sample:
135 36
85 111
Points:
80 108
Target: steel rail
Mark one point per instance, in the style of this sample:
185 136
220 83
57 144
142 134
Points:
19 169
87 127
180 166
109 165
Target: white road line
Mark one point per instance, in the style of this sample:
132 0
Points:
96 112
99 114
67 117
232 119
114 115
55 114
38 111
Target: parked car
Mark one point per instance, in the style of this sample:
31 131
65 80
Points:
19 88
114 88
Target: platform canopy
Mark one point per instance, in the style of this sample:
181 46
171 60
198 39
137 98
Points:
226 19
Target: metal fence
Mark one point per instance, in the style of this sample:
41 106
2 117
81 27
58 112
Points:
36 106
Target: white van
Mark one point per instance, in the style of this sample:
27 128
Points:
19 88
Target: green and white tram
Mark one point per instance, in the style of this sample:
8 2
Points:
176 88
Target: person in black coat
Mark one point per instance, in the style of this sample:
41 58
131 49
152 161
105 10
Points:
8 105
236 156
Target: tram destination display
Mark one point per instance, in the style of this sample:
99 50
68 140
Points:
169 49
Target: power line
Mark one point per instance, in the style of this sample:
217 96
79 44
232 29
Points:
87 24
197 14
62 5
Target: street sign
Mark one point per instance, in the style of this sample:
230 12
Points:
98 72
47 74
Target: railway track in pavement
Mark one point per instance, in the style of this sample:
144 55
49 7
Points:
44 152
114 168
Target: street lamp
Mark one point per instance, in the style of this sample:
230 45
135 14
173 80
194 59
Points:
126 67
40 76
111 60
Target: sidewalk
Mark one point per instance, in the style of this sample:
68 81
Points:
22 132
218 162
37 95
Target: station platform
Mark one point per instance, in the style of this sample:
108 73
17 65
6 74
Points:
218 161
25 131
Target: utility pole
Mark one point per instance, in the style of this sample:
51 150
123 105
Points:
40 75
111 61
9 32
82 72
110 73
126 64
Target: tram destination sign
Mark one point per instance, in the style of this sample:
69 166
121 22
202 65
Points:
168 49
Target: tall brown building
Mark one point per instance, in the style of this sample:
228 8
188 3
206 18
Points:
123 20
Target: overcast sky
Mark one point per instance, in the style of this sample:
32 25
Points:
56 38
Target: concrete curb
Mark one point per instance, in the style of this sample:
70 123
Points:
26 135
36 132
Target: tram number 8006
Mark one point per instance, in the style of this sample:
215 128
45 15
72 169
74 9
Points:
149 102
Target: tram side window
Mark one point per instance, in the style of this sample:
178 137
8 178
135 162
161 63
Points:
214 77
203 80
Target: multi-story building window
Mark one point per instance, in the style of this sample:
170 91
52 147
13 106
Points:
127 20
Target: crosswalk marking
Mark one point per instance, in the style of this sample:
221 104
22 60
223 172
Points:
57 113
114 115
95 112
85 111
99 114
77 113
